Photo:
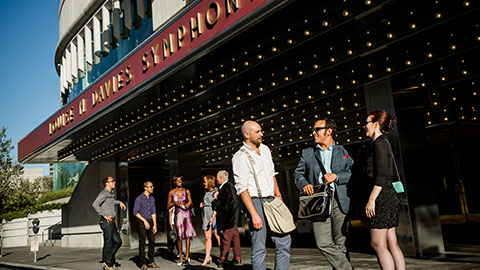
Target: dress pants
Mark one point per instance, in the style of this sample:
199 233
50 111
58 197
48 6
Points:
111 241
143 234
259 238
331 236
228 236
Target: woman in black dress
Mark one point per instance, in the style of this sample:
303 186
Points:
383 204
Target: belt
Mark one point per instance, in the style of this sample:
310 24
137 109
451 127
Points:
268 197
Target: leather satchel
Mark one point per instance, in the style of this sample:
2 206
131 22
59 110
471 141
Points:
277 214
318 206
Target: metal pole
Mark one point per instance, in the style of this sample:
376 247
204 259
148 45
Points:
35 251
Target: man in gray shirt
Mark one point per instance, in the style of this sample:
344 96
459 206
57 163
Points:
105 204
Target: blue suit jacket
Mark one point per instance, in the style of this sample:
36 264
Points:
308 170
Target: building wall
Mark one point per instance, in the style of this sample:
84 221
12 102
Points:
80 222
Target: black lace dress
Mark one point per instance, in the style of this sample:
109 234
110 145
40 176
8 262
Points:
387 204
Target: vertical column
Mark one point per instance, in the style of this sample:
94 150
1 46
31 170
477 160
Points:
116 20
73 61
80 56
127 14
105 31
88 48
68 71
419 227
97 41
124 219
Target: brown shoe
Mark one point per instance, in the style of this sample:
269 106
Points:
153 265
144 267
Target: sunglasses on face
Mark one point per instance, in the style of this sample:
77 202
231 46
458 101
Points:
317 129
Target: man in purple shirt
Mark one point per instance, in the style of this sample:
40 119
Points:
144 209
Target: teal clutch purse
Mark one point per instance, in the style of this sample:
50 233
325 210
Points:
398 186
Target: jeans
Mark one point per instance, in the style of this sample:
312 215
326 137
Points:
259 238
143 234
111 241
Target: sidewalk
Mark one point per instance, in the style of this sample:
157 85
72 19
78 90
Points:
458 257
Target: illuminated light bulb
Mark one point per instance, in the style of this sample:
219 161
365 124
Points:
354 82
306 33
259 57
274 49
338 87
332 59
369 44
325 23
429 55
368 2
315 66
349 52
246 63
370 76
300 72
408 62
453 47
464 72
466 3
390 35
413 26
346 13
289 41
438 15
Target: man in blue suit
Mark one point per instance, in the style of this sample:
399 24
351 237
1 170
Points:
330 234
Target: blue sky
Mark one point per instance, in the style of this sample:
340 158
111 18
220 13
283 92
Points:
29 88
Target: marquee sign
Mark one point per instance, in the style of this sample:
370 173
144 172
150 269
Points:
180 38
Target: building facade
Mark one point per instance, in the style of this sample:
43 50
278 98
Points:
154 88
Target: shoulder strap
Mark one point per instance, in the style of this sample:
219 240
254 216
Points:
253 170
393 157
320 163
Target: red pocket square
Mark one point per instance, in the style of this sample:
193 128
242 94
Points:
346 156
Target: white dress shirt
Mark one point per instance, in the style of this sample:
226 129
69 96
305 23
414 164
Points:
264 168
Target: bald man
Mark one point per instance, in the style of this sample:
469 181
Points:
247 189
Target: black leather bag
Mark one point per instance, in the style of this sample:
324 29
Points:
318 206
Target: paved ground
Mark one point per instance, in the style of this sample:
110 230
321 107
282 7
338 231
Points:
457 257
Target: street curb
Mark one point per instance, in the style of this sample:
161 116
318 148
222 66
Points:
29 266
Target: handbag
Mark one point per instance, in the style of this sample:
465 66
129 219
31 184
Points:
318 206
277 214
397 185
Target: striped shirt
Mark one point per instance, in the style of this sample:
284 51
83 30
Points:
144 206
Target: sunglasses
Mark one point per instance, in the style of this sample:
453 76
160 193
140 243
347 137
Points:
316 129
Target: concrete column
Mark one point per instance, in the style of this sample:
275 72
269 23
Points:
419 231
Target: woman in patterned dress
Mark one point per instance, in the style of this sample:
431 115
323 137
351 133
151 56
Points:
383 205
180 198
209 222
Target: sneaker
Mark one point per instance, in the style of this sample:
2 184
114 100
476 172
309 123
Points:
153 265
106 267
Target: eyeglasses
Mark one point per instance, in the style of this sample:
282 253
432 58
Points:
110 181
317 129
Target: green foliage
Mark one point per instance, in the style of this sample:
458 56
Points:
18 201
55 195
32 209
10 171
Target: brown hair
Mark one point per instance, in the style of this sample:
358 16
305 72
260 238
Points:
210 181
105 180
385 121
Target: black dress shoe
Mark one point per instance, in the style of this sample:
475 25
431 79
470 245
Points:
237 263
221 263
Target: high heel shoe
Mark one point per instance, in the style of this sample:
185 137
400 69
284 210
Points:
180 261
209 261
